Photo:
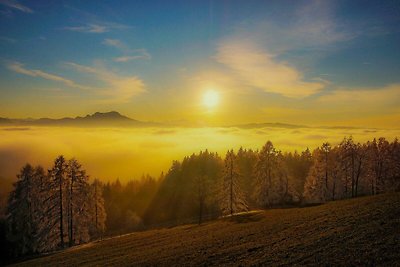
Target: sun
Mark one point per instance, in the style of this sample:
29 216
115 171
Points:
211 98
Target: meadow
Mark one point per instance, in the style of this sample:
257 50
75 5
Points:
354 232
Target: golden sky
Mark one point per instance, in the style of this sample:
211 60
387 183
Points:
303 62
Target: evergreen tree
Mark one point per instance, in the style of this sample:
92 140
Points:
21 212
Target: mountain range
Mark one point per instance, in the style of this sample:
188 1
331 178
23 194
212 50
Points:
112 118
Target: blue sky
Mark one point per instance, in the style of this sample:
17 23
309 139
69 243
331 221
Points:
152 60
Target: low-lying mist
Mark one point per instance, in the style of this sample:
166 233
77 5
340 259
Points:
127 153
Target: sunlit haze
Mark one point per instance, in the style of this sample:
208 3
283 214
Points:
210 98
321 63
190 66
200 133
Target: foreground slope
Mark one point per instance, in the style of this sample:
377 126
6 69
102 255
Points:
363 231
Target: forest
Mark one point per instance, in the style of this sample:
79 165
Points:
61 207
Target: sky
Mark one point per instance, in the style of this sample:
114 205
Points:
301 62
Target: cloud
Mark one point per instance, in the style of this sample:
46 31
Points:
16 5
97 27
117 88
263 53
315 25
19 68
129 54
363 97
130 58
309 26
114 89
255 67
7 40
114 43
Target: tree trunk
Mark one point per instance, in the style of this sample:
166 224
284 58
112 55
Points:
326 174
231 185
358 176
95 198
61 213
71 236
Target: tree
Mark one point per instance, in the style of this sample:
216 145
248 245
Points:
78 203
322 180
232 200
25 210
201 182
97 209
298 167
314 188
41 207
378 153
266 175
21 212
352 156
246 160
56 208
326 149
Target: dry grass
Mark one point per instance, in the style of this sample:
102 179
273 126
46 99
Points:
363 231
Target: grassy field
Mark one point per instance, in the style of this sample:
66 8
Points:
363 231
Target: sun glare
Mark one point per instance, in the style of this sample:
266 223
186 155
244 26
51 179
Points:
211 98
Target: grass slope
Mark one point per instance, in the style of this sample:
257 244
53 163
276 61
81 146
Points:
363 231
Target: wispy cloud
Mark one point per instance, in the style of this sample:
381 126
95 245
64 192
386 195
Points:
19 68
310 26
7 39
130 58
315 25
16 5
255 67
360 98
263 53
129 54
115 43
117 89
113 88
96 27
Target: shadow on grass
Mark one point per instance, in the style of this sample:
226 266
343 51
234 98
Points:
294 206
246 217
257 215
24 258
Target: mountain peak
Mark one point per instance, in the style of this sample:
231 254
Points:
111 115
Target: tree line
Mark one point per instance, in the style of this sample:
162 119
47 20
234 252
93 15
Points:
350 169
205 185
47 211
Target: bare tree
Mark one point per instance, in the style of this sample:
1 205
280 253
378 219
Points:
352 160
266 175
97 209
58 181
232 197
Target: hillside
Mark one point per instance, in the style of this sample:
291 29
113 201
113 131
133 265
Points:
363 231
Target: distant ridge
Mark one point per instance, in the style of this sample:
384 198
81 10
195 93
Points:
116 119
270 124
112 115
112 118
